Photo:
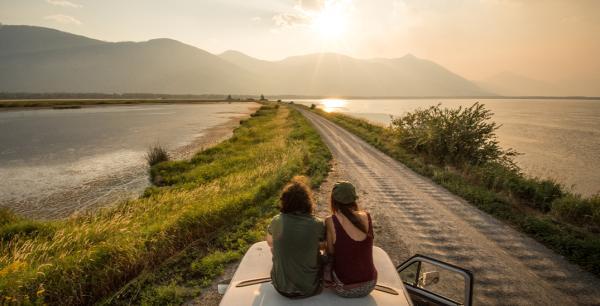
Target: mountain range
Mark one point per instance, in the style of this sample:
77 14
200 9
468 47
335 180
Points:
512 84
36 59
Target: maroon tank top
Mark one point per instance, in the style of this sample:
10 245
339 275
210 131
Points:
353 260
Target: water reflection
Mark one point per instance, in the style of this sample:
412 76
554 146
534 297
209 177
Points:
333 105
560 139
55 162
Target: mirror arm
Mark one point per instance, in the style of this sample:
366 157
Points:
417 276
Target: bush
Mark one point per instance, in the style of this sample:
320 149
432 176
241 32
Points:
458 137
576 210
313 106
534 192
156 154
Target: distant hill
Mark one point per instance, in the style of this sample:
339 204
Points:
28 39
336 74
512 84
77 64
35 59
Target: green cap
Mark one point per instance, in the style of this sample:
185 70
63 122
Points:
344 192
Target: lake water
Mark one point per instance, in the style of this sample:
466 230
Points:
55 162
559 139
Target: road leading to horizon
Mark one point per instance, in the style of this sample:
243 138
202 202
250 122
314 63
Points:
509 267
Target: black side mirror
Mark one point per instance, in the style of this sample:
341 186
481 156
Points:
430 281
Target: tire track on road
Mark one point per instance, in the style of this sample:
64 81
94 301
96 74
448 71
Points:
510 268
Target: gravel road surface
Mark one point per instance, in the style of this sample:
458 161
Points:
414 215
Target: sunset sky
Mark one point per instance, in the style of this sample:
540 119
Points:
550 40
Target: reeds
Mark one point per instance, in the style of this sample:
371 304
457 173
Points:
156 154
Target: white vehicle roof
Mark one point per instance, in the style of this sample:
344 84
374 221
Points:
257 263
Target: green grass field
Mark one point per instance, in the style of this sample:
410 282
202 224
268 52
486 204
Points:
205 213
566 223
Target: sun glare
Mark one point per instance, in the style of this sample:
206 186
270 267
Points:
332 105
331 22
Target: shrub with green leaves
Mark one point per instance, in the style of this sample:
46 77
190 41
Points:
458 136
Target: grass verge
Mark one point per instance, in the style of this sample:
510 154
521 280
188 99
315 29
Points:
566 223
85 259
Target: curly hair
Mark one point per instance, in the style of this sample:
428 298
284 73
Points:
297 197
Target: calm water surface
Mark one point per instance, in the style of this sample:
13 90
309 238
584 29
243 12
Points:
54 162
560 139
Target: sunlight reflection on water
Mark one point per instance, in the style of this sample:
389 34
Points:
560 139
333 105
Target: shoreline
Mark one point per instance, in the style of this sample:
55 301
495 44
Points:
82 103
212 136
193 222
126 184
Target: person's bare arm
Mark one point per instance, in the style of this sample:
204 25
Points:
270 241
330 235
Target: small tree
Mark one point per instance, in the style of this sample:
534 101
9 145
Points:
262 98
313 106
229 98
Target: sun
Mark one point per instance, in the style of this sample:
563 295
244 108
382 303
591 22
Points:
331 22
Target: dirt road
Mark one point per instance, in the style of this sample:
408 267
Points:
414 215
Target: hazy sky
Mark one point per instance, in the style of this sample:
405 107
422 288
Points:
551 40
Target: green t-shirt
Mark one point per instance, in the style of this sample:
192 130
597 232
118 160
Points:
296 263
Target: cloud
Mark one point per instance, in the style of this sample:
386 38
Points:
291 19
63 19
64 3
311 5
305 10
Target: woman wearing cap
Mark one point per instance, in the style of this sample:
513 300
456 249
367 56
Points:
296 237
350 243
